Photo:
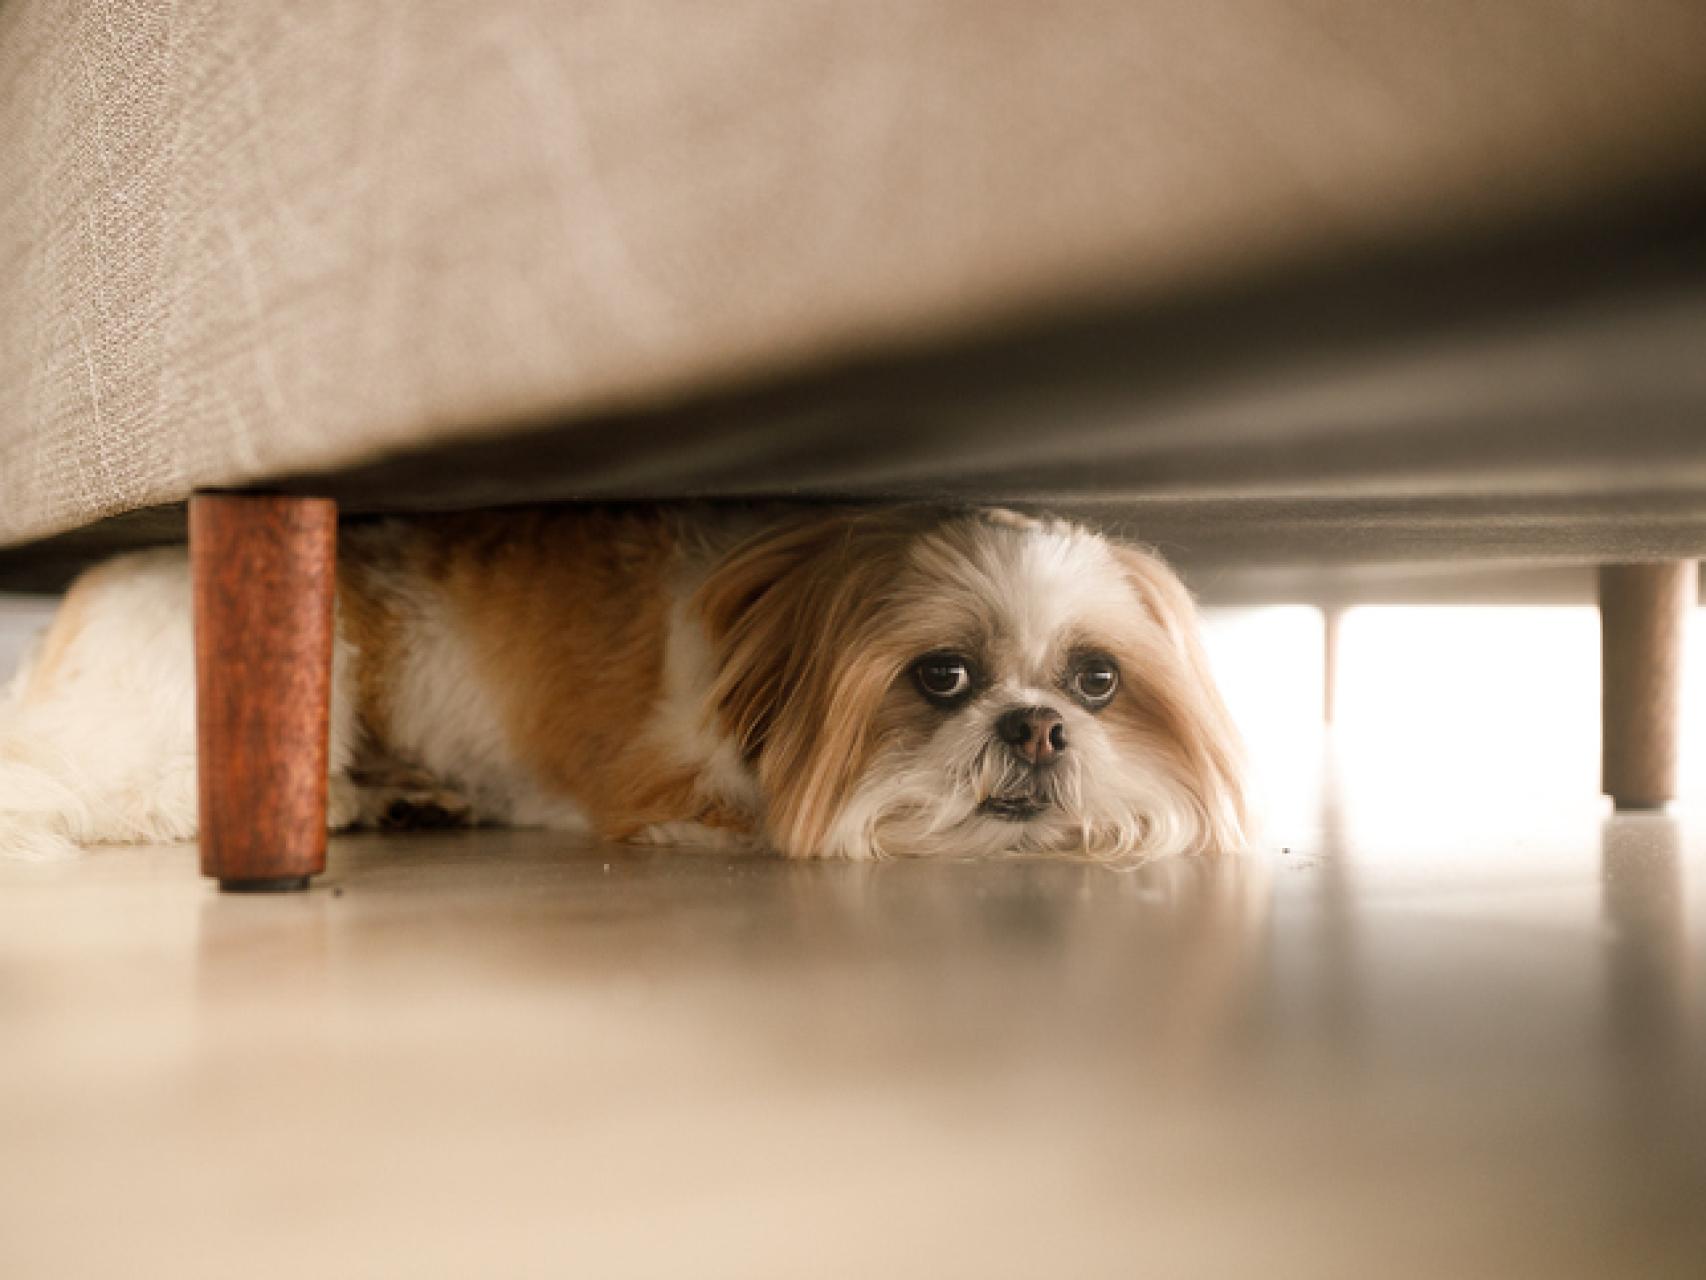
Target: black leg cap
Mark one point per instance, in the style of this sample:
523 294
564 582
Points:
275 884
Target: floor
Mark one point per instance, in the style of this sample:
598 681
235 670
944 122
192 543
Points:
1448 1020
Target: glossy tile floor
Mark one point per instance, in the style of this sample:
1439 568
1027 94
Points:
1449 1020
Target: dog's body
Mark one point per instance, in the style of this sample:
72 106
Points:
849 683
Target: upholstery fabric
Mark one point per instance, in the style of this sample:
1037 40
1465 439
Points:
239 241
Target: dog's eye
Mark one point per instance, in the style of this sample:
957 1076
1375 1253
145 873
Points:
943 677
1095 680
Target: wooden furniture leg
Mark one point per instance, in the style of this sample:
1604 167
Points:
264 567
1332 623
1643 616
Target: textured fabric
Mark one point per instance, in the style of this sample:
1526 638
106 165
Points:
244 240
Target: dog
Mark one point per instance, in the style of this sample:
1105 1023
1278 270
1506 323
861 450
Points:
856 683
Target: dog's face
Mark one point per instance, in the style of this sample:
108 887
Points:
908 683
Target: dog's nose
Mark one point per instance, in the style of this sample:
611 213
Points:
1036 734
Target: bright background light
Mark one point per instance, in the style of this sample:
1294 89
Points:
1443 713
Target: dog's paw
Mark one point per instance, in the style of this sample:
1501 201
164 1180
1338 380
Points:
716 832
433 810
398 800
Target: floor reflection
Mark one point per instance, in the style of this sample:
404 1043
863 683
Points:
1315 1002
1656 1108
280 943
1646 938
1653 1069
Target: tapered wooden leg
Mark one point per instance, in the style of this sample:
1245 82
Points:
1332 624
264 569
1643 614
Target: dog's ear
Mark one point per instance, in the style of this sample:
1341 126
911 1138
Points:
1182 703
803 660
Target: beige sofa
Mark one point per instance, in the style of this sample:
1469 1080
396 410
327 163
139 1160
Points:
1361 243
1287 285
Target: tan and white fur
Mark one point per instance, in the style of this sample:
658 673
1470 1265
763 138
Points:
852 683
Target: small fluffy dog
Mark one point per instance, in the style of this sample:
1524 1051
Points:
855 683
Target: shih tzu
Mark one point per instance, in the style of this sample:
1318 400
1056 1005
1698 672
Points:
853 683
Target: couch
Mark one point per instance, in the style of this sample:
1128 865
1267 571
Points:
1296 288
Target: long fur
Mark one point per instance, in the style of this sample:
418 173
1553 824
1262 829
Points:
672 675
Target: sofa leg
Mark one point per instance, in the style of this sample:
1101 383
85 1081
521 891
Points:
1332 627
1643 615
264 568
